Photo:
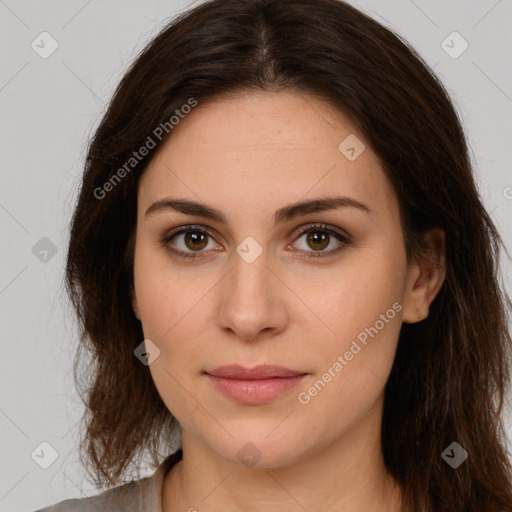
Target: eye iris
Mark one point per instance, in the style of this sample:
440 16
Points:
323 237
195 238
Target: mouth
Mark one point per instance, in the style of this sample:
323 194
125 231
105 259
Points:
254 386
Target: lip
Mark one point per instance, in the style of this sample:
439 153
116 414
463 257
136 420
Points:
254 386
262 371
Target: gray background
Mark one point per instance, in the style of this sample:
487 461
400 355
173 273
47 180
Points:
49 108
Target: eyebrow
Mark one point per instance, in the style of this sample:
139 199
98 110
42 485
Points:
286 213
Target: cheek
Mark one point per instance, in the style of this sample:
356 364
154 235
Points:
352 368
362 309
173 320
165 297
354 296
173 312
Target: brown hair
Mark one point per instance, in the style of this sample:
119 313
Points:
451 371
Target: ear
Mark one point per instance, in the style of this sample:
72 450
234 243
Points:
425 276
135 304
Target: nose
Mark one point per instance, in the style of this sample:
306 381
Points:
252 300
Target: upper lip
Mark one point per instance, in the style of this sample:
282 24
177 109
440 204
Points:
264 371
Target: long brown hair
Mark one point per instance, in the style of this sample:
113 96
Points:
451 371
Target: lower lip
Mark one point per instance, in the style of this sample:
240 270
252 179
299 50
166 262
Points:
254 392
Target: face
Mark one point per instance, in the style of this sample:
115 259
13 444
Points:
319 290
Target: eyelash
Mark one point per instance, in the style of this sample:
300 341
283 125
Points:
306 229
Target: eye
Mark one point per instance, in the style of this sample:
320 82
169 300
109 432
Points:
195 239
192 240
319 237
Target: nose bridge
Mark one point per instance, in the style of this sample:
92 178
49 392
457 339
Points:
249 301
250 277
250 274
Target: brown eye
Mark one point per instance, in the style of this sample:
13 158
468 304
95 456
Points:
195 240
319 237
318 240
192 242
187 241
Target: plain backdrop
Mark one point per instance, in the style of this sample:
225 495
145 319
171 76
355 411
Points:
50 106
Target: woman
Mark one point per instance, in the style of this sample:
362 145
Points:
279 253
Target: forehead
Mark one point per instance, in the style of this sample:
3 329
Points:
250 150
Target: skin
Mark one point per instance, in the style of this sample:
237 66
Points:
247 156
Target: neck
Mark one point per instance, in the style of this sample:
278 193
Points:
346 475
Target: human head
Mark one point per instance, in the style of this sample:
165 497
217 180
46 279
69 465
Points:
405 116
253 293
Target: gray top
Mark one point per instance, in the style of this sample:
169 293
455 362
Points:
144 495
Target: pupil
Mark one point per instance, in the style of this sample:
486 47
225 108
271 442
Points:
196 238
318 239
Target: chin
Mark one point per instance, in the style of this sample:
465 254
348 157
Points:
253 448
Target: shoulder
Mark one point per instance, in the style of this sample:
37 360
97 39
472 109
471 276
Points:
122 498
142 495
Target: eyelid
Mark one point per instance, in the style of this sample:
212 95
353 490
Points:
321 226
299 231
187 227
343 238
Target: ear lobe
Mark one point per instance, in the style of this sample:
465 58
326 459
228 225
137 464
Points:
425 278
